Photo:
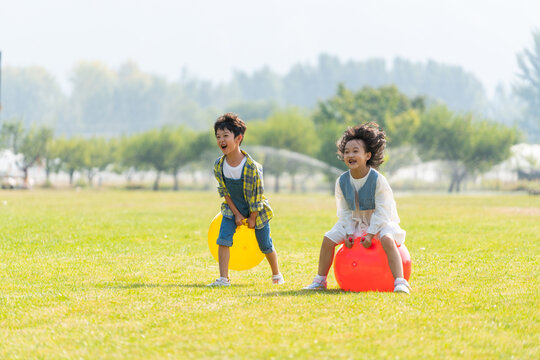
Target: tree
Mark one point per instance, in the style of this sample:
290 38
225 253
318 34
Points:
458 89
31 144
180 109
11 134
53 161
138 100
468 145
180 151
72 154
154 151
33 95
253 110
98 157
528 85
288 129
92 102
129 158
263 84
398 115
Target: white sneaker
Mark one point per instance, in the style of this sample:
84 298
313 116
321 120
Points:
316 285
278 279
402 286
221 282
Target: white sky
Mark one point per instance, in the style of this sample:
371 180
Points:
212 37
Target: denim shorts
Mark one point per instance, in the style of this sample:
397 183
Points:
228 228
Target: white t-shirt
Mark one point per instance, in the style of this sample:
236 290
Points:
233 172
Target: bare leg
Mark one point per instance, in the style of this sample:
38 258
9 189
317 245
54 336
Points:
394 259
224 254
326 256
273 261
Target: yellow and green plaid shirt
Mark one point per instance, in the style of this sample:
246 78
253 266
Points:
253 190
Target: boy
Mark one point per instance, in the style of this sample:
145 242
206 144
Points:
240 182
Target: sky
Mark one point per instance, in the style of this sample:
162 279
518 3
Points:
212 38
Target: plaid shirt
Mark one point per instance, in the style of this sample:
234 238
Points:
253 190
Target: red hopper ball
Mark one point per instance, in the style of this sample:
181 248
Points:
361 269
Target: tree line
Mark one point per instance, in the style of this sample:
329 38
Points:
110 102
468 144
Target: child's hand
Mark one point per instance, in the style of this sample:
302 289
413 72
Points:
239 219
251 222
367 240
349 241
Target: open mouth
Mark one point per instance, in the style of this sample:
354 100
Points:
223 147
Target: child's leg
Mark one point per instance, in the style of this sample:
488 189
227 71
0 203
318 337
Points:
326 256
273 261
392 253
267 247
225 241
224 255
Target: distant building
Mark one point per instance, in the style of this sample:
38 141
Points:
11 176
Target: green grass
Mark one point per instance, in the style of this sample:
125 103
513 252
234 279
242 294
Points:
113 274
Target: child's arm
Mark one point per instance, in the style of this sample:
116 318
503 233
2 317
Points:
252 219
344 214
366 241
238 217
255 201
385 207
222 189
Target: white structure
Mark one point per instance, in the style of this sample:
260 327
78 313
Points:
10 174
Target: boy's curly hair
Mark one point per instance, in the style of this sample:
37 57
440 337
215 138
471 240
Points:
374 140
231 122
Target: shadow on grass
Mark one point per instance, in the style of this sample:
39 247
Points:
139 285
302 292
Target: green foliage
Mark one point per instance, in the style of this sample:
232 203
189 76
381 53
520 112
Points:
253 110
458 89
287 129
398 115
92 98
380 105
469 145
31 143
114 274
99 156
11 135
109 102
164 150
329 133
138 100
400 129
33 95
73 154
152 149
52 157
262 84
34 145
528 87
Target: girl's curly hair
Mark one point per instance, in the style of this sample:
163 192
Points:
374 140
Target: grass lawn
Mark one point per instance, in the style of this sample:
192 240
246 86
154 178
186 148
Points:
114 274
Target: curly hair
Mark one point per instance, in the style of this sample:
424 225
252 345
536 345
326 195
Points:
230 122
374 140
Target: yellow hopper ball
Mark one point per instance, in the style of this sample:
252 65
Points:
245 252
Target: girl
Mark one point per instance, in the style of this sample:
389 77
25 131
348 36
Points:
365 203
